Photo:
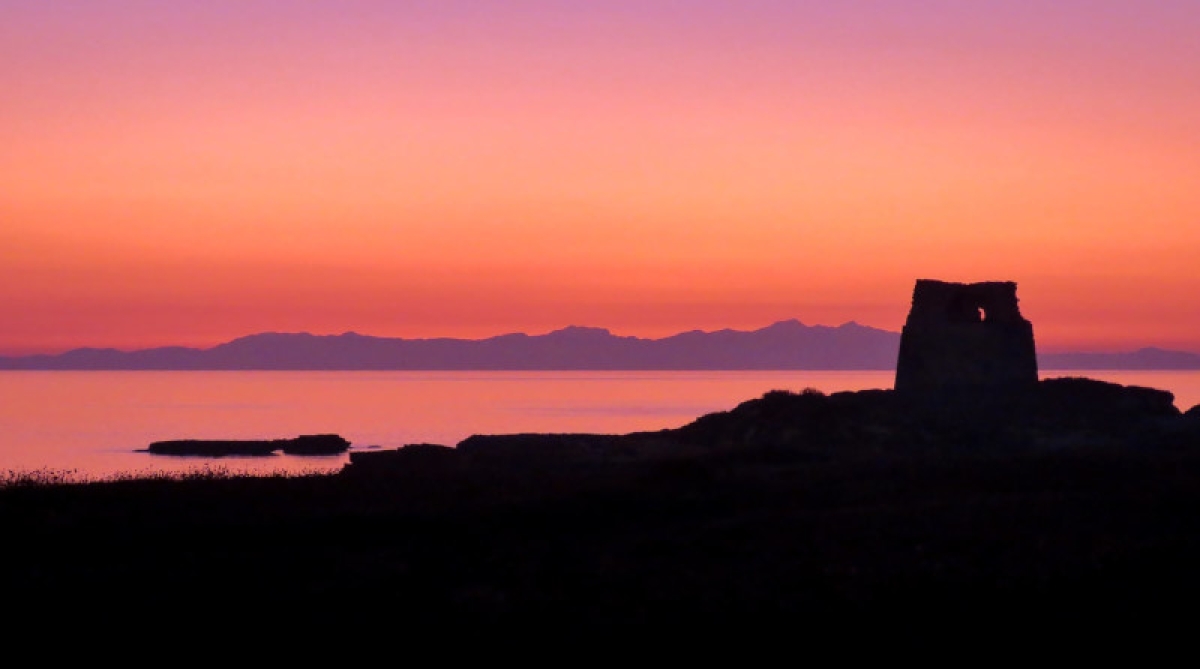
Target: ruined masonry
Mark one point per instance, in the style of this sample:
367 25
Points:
965 337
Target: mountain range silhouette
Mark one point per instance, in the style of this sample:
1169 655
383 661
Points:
785 345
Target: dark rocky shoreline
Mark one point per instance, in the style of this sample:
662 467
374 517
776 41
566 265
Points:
1073 508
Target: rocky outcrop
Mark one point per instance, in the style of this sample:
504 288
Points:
965 337
307 444
315 444
1053 415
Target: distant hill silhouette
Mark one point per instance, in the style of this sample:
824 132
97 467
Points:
1143 358
787 344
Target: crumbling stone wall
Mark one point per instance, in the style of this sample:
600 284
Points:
965 336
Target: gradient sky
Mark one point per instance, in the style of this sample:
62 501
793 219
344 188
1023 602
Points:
188 172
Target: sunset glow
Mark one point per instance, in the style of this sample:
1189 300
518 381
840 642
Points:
190 172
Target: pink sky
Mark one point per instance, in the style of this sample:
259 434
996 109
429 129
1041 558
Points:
190 172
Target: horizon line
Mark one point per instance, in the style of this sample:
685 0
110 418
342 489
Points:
608 331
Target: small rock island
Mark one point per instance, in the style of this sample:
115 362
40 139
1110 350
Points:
305 444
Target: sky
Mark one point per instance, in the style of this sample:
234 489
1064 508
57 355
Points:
188 172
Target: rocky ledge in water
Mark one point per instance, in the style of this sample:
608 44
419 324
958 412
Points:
305 444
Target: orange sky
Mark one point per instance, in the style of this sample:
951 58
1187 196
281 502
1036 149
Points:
190 172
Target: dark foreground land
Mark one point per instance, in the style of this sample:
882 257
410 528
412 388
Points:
1070 517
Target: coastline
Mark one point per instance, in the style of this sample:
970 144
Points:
826 531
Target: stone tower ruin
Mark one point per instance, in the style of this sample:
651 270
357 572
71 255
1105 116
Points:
965 337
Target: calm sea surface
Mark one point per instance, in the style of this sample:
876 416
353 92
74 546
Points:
89 425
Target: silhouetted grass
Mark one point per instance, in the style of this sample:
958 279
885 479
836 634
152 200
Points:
59 477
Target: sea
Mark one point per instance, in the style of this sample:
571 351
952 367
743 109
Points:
95 425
